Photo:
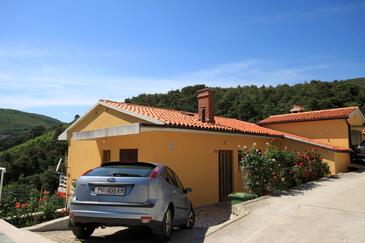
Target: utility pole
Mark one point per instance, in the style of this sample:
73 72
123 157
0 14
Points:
3 170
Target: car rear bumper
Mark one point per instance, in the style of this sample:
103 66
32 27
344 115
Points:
116 214
153 224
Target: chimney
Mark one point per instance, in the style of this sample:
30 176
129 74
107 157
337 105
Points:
206 105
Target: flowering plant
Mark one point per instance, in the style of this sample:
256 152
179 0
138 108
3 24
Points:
278 170
27 206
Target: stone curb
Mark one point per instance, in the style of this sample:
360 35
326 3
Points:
53 225
221 226
239 211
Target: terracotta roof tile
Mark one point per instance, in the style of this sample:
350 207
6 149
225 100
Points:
183 119
336 113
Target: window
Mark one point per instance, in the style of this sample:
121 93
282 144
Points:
127 170
106 156
178 182
169 176
172 178
128 155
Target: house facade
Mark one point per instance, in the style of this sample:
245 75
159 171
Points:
200 147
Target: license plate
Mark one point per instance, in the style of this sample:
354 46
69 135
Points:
109 190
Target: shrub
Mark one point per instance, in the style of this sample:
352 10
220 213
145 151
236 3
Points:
278 170
26 206
308 166
280 162
255 171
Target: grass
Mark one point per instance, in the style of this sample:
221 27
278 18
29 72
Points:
239 197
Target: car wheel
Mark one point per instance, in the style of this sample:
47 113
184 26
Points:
190 220
82 231
165 234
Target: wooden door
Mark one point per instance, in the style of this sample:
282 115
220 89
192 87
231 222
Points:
225 174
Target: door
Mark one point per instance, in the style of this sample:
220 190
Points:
225 174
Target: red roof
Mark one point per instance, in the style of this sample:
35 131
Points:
183 119
337 113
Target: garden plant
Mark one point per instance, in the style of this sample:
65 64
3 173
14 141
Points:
279 169
28 206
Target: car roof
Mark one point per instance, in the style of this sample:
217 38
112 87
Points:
130 163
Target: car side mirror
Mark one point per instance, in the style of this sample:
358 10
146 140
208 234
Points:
188 189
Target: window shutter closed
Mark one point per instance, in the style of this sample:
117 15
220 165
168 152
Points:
128 155
106 156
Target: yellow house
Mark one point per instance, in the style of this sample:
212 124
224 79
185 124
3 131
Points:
200 147
339 127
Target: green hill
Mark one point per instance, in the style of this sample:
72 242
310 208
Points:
17 127
33 162
253 103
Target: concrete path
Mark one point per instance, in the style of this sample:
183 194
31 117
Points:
11 234
331 210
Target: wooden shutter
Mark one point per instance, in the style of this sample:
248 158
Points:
106 156
128 155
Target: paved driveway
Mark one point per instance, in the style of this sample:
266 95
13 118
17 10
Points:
332 210
208 220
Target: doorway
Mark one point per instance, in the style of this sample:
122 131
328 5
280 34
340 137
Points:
225 174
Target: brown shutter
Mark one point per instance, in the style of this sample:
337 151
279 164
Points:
128 155
106 156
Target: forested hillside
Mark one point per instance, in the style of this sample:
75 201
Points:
17 127
252 103
34 161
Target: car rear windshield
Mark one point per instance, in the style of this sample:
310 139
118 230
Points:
122 171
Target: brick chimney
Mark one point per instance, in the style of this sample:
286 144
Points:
206 105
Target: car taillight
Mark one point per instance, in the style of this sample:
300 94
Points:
86 172
146 219
154 172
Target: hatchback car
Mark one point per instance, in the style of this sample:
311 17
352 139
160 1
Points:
130 194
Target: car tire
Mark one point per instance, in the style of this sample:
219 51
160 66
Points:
166 229
82 231
190 220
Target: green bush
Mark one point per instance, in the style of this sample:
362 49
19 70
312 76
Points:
279 166
255 171
308 166
278 170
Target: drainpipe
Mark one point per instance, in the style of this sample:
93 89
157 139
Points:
3 170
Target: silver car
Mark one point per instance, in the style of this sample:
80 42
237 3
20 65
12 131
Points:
130 194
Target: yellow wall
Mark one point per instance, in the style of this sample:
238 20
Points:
193 155
342 162
103 117
328 131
